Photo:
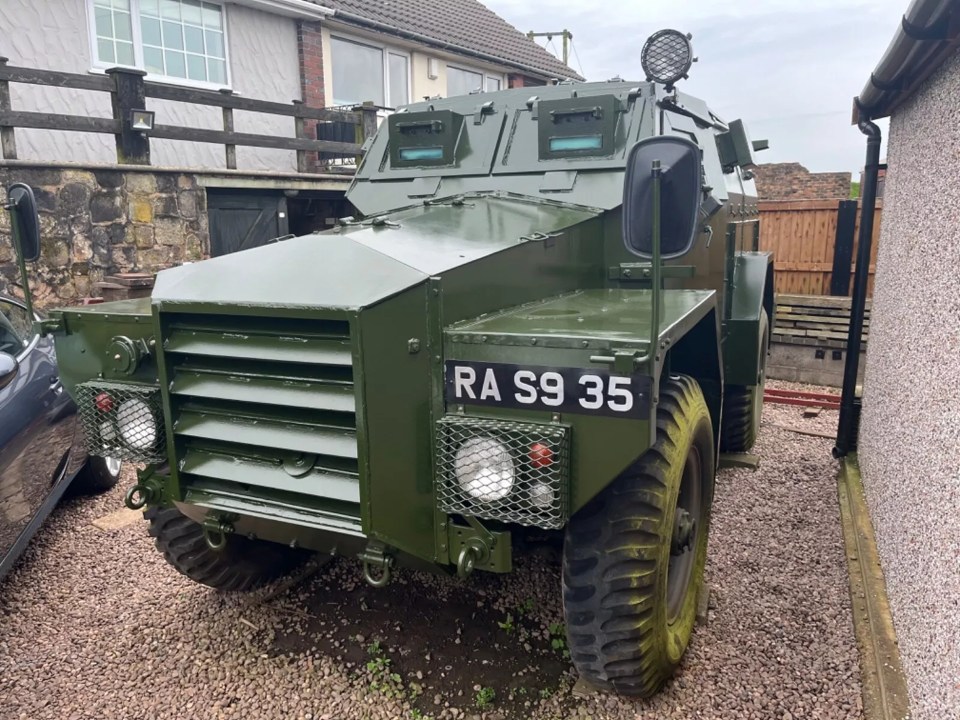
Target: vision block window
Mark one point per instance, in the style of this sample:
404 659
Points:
424 138
577 127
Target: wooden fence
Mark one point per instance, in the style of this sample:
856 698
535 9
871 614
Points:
803 235
129 90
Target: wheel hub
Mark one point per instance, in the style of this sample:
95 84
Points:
684 528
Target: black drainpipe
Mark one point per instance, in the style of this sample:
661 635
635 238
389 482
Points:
849 402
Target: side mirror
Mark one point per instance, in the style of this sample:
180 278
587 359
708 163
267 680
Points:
23 208
681 181
9 367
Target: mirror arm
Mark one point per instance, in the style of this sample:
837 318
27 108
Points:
657 270
21 261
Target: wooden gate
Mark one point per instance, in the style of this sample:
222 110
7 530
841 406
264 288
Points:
802 234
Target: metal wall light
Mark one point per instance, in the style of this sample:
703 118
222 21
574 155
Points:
142 120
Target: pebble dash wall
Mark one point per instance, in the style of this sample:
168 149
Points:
910 432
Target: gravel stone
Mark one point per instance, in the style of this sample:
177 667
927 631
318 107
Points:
94 624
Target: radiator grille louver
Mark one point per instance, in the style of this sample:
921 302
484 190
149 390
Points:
265 404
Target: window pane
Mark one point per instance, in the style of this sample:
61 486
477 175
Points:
172 35
357 73
16 330
150 29
125 53
105 51
399 94
153 60
197 67
218 72
123 5
170 9
212 16
176 64
493 84
121 26
462 82
214 44
103 22
102 3
191 12
193 38
150 7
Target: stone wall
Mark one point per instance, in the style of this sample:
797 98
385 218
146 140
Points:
792 181
99 222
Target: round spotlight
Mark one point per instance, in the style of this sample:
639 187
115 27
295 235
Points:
484 469
667 56
137 425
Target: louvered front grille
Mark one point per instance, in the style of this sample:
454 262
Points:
264 404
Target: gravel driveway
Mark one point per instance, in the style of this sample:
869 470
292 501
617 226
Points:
93 624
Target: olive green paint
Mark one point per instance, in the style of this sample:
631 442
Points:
302 381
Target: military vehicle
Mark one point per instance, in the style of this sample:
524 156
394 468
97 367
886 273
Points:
548 320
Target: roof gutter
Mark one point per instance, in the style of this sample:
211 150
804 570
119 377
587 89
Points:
458 49
300 9
927 34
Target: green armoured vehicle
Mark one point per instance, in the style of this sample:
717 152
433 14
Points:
550 319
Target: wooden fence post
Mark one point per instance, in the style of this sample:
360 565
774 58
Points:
843 247
368 127
133 146
8 141
300 132
231 150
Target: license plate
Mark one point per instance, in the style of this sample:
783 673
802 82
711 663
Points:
555 389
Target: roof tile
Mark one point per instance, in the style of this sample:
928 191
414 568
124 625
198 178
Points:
465 23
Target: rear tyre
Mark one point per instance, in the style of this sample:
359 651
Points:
633 557
242 565
743 405
97 476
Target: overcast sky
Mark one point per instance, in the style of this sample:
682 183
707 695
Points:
790 70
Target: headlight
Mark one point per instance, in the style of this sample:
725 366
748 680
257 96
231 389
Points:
137 426
484 469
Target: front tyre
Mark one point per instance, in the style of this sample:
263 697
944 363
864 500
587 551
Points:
242 565
633 557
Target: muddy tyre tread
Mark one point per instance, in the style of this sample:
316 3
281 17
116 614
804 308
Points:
612 549
241 566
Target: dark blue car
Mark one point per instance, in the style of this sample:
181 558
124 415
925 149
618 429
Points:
39 459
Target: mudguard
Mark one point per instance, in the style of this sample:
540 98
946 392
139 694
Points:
752 292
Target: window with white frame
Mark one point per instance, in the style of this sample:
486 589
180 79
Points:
462 81
183 40
363 72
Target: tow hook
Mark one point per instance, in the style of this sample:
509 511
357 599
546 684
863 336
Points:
377 564
147 491
474 552
215 531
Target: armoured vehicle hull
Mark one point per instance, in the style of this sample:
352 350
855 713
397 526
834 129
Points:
480 356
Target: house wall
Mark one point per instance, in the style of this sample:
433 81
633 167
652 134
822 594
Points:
909 446
53 35
421 85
